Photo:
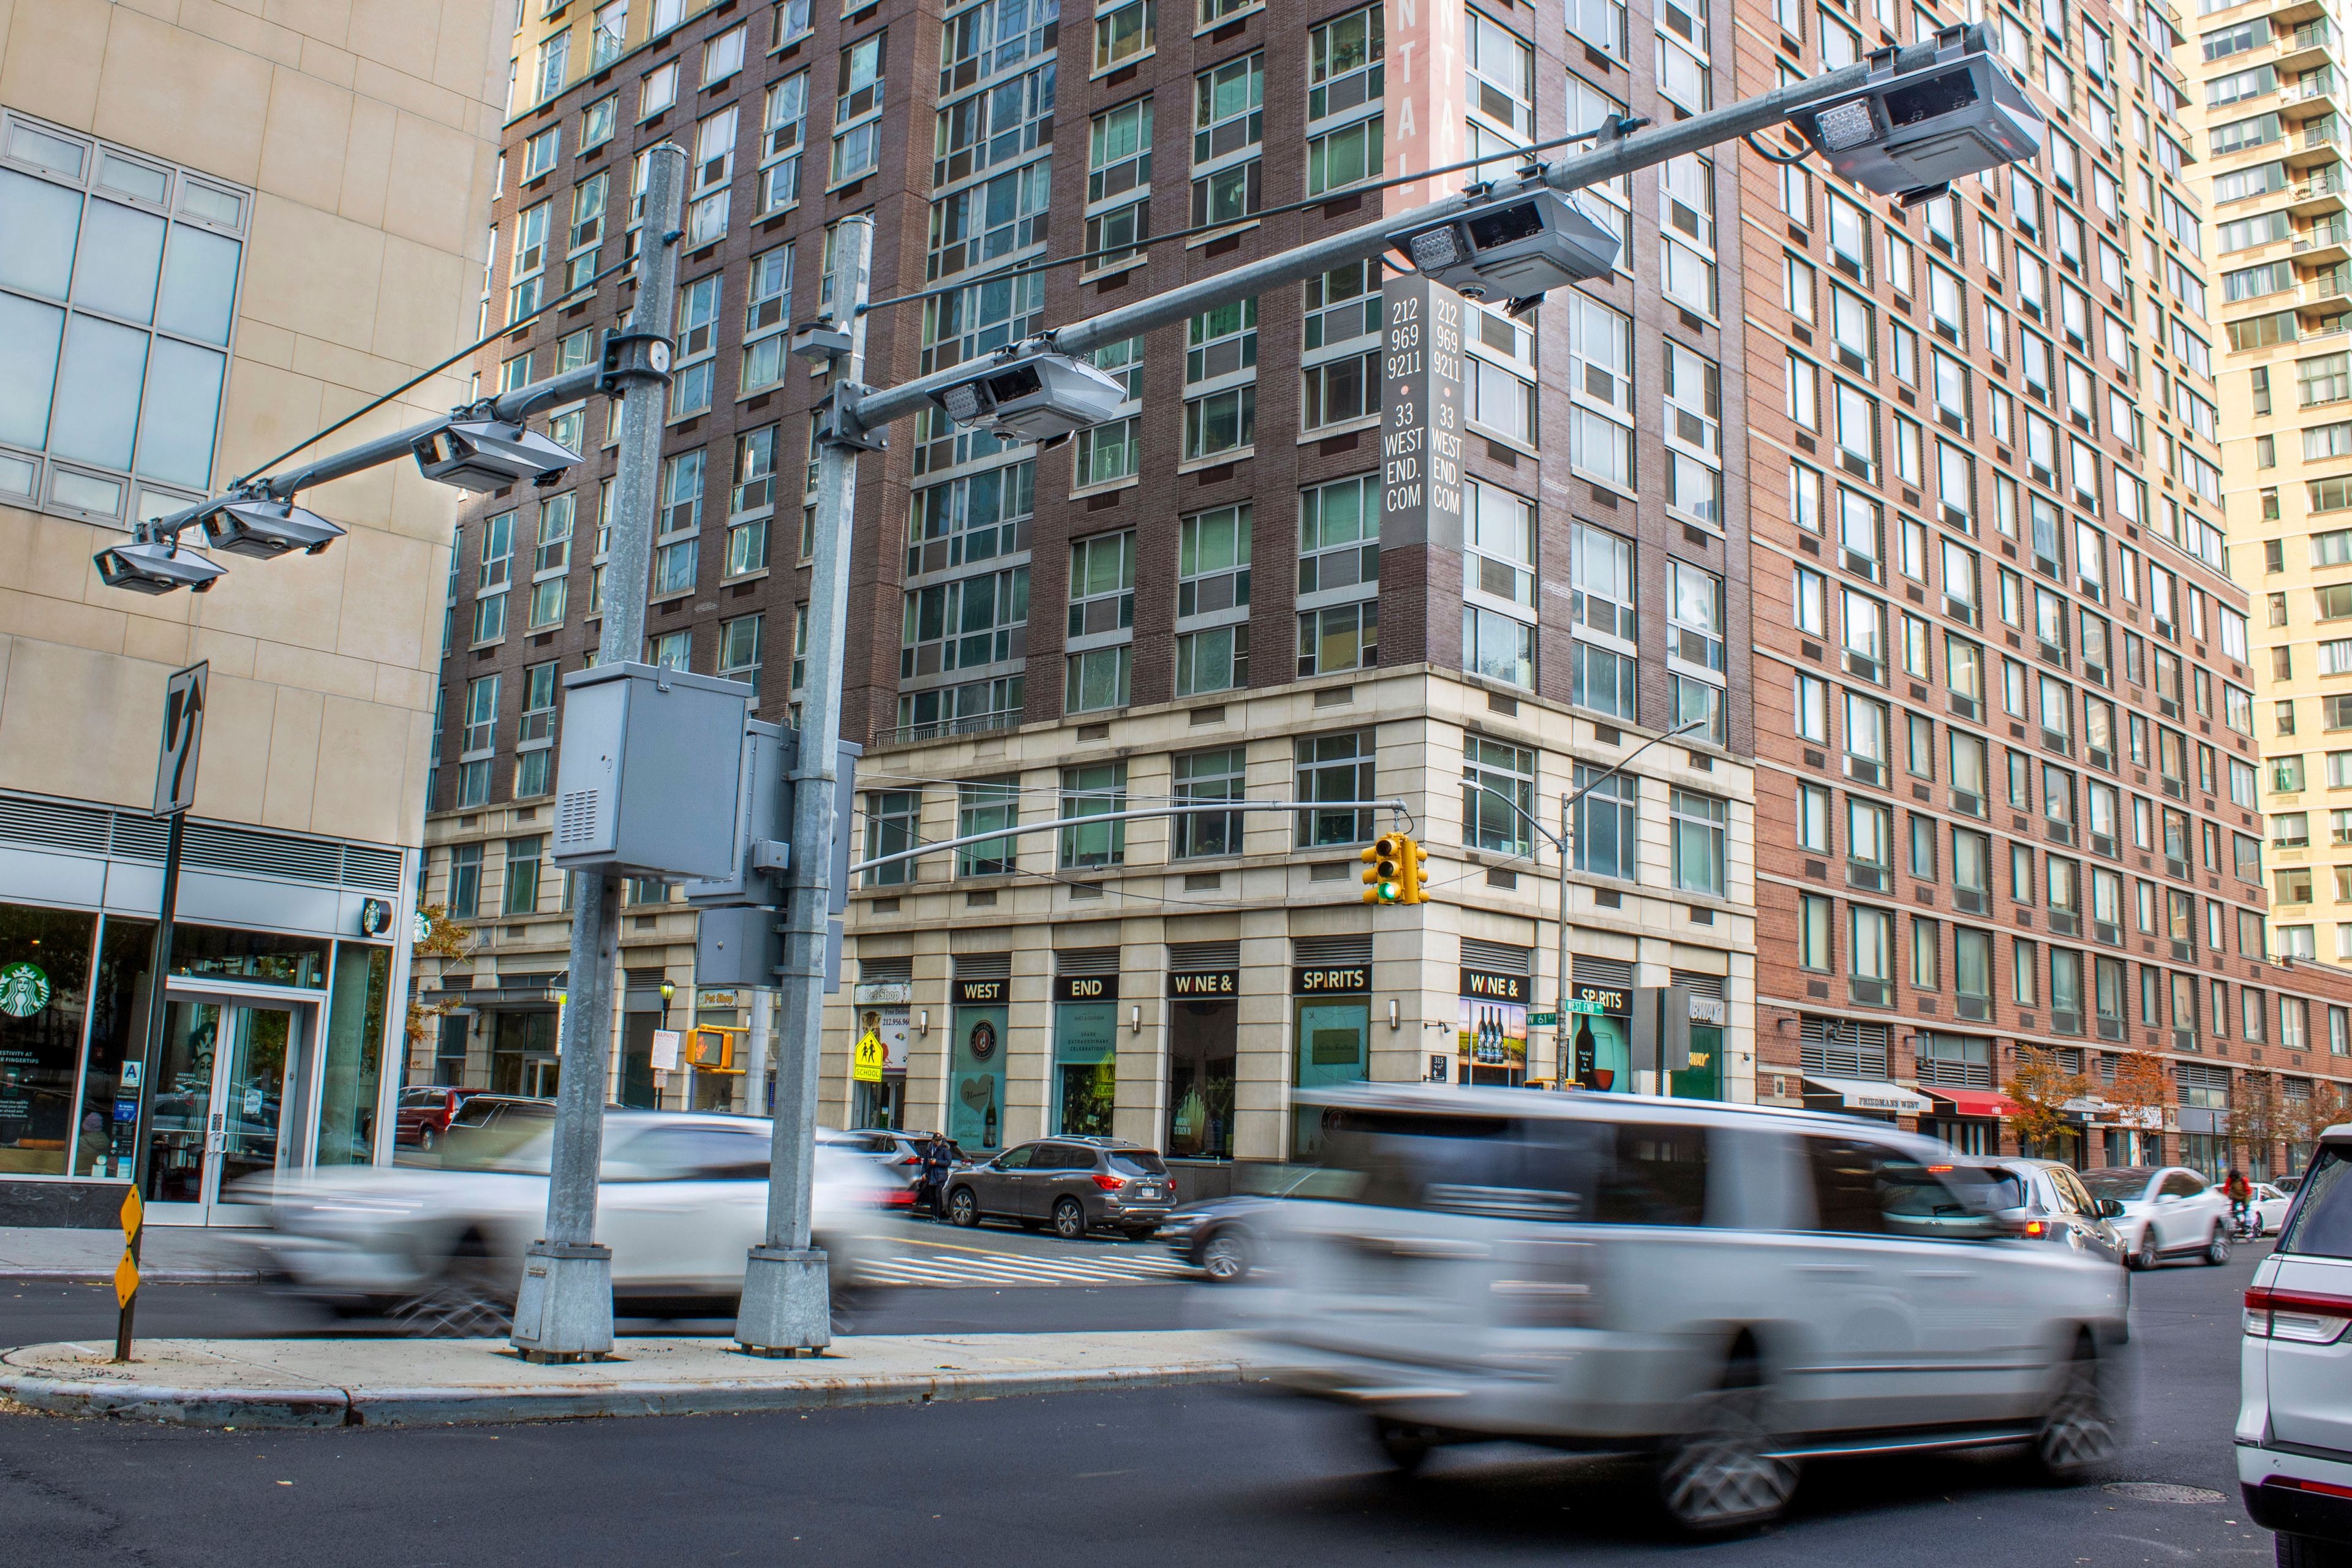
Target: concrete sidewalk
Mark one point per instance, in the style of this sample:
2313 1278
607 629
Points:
168 1255
415 1382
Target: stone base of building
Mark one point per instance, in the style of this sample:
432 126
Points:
80 1206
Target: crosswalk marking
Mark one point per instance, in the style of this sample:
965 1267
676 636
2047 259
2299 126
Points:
967 1268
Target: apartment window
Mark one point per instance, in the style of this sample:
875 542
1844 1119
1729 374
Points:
1213 595
1601 392
857 108
781 120
1815 947
1338 559
552 561
1340 355
540 153
1118 183
1122 33
1344 128
1220 381
1697 841
1333 769
535 734
1101 608
1598 25
1228 127
478 741
893 825
698 346
554 65
1602 611
673 650
1200 776
598 121
767 318
657 90
985 806
1497 634
523 861
1499 92
740 646
1604 836
493 577
465 880
1098 790
1498 796
1693 435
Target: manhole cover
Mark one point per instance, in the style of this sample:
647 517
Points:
2162 1491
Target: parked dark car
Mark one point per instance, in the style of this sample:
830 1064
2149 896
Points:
490 1125
1074 1184
424 1112
1222 1237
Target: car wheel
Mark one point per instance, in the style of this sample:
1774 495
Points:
2146 1255
963 1208
465 1301
1721 1473
1069 1219
2078 1429
2310 1552
1225 1258
427 1139
2217 1249
1405 1444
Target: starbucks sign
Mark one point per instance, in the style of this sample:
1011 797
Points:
24 990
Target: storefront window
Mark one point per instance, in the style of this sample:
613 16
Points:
261 957
1703 1078
519 1040
1333 1040
1492 1042
1200 1080
1603 1060
976 1103
118 1033
1085 1066
351 1074
44 992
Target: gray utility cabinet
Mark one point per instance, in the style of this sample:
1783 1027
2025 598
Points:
650 765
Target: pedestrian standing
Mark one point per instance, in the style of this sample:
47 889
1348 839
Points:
935 1160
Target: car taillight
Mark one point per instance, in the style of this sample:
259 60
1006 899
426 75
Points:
1107 1182
908 1160
2036 1227
1171 1186
2299 1316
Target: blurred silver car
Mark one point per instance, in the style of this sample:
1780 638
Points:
1731 1288
681 1199
2047 1202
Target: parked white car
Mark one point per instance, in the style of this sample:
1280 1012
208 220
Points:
682 1198
2269 1205
2295 1411
1732 1288
2169 1211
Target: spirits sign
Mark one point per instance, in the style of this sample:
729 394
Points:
1421 428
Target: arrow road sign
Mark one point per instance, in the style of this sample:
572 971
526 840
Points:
183 734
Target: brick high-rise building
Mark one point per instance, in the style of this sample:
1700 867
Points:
2006 714
1196 602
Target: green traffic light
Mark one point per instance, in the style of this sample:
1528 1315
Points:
1387 892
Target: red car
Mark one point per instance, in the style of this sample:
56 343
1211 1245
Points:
424 1112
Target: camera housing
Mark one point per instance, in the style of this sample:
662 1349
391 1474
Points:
148 566
1912 130
1513 248
491 455
1035 397
263 529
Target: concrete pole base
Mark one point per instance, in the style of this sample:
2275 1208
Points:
787 1307
564 1312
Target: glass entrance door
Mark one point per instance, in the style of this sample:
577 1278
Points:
221 1107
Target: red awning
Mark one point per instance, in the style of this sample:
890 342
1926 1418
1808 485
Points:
1974 1101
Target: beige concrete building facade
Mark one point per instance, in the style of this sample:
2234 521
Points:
2268 81
228 225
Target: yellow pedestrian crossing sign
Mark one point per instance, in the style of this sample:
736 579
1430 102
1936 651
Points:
872 1056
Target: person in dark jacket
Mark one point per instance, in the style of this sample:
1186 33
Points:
933 1188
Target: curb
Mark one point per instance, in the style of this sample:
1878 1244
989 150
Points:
330 1406
83 1276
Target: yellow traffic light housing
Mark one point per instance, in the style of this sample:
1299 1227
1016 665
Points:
1384 882
1415 858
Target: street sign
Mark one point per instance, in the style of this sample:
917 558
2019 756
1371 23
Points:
1543 1020
126 1273
1585 1005
872 1056
183 735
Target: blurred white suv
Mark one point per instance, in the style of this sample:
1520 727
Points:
2294 1414
1731 1289
2169 1211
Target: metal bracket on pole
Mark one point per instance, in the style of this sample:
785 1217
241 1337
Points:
632 359
837 421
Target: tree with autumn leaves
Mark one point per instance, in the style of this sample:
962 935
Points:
2039 1088
444 938
2140 1091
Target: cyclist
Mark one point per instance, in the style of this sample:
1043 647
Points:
2240 1191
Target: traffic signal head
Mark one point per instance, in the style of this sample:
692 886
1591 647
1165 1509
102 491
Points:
1415 858
1384 883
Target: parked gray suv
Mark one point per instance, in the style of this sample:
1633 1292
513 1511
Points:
1074 1184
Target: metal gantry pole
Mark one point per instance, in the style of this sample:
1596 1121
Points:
143 1132
563 1309
786 1308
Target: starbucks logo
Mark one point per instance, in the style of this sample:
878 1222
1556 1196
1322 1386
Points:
983 1039
24 990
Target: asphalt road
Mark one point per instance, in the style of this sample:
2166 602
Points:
1201 1478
